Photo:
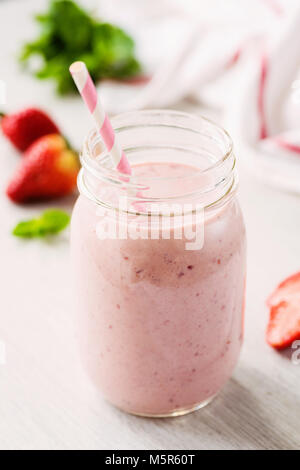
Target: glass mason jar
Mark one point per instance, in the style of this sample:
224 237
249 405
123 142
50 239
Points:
160 305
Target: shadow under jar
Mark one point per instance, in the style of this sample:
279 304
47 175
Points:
160 316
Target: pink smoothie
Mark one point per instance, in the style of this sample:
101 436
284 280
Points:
160 326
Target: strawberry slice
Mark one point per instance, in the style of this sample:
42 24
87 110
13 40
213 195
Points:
284 323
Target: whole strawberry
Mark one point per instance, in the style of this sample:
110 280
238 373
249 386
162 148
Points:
48 170
26 126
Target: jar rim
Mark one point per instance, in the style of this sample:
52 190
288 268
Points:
221 161
114 173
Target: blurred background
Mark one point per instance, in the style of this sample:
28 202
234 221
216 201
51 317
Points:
236 61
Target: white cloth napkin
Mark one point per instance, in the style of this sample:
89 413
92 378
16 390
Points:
240 56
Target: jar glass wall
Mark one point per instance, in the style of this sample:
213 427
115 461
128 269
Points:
159 264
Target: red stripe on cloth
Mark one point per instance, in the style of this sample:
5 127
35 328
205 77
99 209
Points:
234 58
275 6
89 94
107 133
261 97
287 145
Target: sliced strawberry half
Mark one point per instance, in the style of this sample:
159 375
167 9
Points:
284 323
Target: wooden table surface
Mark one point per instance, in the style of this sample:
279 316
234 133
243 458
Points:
46 401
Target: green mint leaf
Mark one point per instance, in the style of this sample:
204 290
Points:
28 229
54 220
113 51
50 221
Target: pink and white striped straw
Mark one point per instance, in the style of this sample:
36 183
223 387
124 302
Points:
87 90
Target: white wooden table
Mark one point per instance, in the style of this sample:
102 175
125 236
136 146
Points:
46 402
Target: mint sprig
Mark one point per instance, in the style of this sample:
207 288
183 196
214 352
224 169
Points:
51 221
70 33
